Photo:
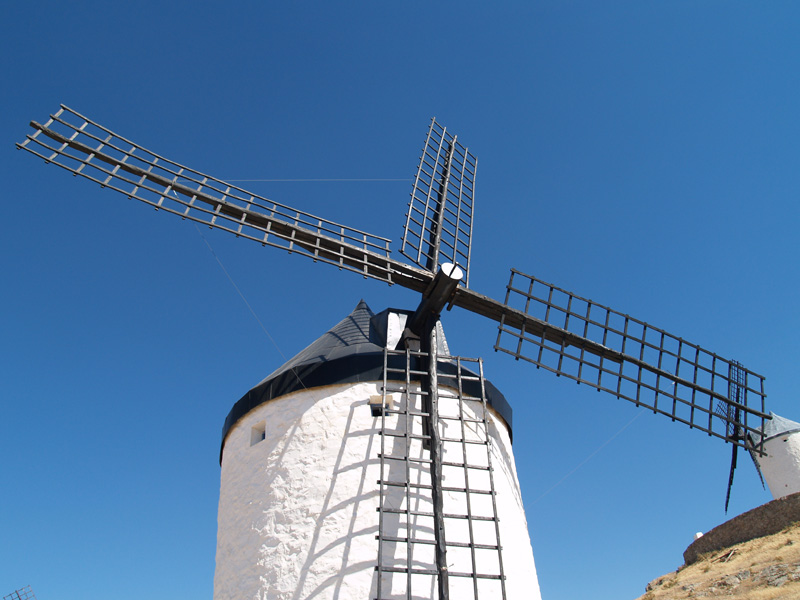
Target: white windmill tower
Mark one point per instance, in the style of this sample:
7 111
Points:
780 464
375 464
327 485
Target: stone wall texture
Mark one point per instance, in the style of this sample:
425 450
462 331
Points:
298 510
766 519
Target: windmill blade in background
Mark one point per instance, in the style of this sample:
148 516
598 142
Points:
641 363
730 476
753 455
25 593
439 219
749 444
88 149
730 413
737 391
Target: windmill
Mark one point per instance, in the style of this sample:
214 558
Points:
538 323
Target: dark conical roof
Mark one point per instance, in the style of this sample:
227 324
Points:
779 426
350 336
351 352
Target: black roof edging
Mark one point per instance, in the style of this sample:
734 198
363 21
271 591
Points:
360 359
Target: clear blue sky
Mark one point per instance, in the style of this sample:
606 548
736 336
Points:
642 154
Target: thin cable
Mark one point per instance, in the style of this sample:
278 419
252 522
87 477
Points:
591 456
250 308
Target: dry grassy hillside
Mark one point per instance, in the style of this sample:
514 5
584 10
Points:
766 568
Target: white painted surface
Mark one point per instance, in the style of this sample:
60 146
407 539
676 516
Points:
297 512
452 271
781 466
395 325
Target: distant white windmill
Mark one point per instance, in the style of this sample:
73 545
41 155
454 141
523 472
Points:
374 464
780 463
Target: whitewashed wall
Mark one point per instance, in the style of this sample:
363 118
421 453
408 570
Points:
297 512
781 466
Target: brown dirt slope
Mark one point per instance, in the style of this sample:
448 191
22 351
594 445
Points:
765 568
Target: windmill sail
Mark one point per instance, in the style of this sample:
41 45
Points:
439 219
636 361
90 150
407 534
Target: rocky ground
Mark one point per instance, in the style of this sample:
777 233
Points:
766 568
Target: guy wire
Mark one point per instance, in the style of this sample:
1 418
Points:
249 307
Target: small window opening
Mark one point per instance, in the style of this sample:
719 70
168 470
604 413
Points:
379 403
258 433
